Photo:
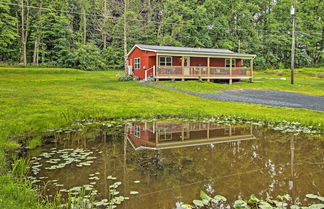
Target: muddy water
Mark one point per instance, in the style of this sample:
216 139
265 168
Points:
170 162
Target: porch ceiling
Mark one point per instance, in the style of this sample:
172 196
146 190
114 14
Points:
233 55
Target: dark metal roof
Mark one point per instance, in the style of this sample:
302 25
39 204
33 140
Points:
175 49
182 49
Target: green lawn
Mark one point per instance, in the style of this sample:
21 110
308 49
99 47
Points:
32 100
307 81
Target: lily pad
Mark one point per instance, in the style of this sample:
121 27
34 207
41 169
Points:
133 192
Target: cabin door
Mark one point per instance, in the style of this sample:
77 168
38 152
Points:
186 66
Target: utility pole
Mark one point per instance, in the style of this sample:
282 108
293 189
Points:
293 41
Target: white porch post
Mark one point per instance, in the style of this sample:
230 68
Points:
156 65
208 68
251 70
182 67
154 70
230 80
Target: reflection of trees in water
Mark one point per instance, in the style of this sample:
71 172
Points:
261 166
238 168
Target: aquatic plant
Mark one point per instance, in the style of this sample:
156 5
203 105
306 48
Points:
281 202
282 126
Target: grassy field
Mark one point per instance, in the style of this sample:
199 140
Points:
307 81
32 100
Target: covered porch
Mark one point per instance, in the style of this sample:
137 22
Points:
201 67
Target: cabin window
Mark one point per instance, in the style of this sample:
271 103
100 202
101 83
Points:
137 63
165 61
137 131
227 63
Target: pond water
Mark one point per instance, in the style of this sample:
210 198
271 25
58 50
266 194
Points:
168 162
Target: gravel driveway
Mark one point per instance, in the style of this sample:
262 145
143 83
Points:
262 96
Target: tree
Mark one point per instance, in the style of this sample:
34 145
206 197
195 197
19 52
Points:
125 34
50 30
24 29
38 34
83 23
8 33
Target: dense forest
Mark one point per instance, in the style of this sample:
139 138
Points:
94 34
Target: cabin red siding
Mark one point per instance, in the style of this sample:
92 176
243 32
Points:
198 61
176 61
146 61
238 63
143 139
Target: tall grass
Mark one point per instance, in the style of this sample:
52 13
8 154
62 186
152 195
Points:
20 168
3 166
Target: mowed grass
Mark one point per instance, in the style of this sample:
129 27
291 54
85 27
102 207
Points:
32 100
307 80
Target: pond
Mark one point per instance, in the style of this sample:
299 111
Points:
159 164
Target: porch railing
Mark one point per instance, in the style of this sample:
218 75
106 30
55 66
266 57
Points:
202 71
169 70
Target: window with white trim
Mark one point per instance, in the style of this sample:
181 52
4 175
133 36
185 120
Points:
137 131
137 63
228 61
165 61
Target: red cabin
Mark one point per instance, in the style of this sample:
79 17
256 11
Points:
169 62
165 135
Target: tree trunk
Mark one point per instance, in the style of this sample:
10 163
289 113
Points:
84 17
24 30
104 33
125 36
38 36
149 13
23 41
35 55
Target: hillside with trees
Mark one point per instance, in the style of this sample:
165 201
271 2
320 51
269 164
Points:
95 34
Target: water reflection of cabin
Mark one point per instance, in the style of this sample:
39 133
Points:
162 135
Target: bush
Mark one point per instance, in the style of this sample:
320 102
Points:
87 57
114 57
125 77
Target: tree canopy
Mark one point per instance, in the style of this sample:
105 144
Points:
88 34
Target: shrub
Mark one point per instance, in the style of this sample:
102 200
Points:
125 78
114 57
87 57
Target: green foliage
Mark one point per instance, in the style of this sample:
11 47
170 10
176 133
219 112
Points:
20 168
17 194
56 35
261 27
3 165
113 57
8 33
88 57
207 200
35 142
125 78
312 196
253 202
